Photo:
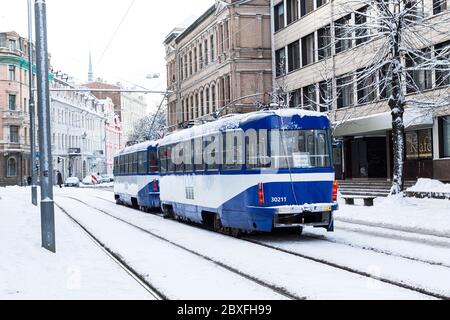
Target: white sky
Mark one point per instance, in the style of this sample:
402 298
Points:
74 26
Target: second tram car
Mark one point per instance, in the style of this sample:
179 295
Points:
136 172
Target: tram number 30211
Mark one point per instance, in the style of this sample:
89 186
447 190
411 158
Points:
279 199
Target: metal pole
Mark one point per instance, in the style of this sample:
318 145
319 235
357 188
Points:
46 160
32 108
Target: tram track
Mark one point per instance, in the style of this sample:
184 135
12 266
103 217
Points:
335 265
156 294
279 290
366 248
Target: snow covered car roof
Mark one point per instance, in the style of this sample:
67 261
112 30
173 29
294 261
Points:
288 119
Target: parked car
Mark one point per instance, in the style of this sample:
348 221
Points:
72 182
88 180
107 179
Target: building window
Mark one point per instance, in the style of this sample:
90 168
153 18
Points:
213 98
366 86
195 60
279 16
292 11
296 99
14 134
12 73
346 91
320 3
326 96
205 56
307 6
12 45
442 53
343 34
200 51
445 137
190 64
212 48
12 102
280 61
419 144
11 168
362 29
294 56
324 36
439 6
385 82
207 101
419 77
308 50
310 97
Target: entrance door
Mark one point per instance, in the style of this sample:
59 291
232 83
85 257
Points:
360 166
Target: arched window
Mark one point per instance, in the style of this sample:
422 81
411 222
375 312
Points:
11 168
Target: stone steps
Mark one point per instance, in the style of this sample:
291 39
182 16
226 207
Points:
372 188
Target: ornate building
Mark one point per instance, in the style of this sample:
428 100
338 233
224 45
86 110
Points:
14 117
220 63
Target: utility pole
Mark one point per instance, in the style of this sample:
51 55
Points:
32 108
45 150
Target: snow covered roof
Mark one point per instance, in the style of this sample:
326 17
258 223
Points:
139 147
239 120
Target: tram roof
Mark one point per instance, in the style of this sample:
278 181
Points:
288 119
144 146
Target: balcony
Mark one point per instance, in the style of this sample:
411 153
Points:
14 118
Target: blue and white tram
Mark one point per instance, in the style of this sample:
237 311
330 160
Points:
252 172
136 174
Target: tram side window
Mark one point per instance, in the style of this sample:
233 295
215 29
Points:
199 161
163 159
170 163
189 164
142 162
135 163
257 150
212 152
122 165
233 148
152 162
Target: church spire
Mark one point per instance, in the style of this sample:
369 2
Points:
91 72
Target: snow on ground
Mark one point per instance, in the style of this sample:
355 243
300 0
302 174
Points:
420 216
79 270
300 276
175 272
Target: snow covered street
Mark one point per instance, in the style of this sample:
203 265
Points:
391 251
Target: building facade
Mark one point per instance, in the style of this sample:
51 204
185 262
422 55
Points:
15 160
310 65
129 106
220 63
78 131
114 135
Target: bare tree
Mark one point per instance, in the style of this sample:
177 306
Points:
150 128
396 42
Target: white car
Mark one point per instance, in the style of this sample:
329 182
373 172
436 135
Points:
72 182
89 180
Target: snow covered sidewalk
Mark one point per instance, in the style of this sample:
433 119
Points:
429 217
79 270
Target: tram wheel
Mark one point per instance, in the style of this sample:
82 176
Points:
168 213
218 227
235 233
